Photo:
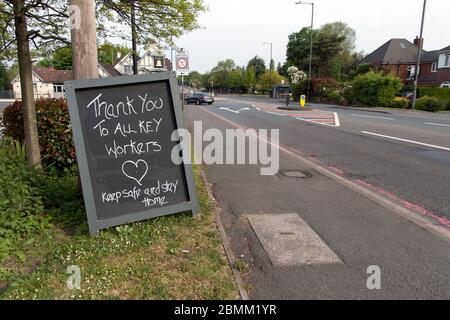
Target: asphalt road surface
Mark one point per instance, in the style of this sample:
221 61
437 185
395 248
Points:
315 237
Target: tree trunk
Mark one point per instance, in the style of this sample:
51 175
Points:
26 82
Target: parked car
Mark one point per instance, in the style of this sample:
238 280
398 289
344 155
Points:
199 98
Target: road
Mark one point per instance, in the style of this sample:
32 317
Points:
401 157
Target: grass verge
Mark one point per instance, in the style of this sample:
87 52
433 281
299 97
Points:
175 257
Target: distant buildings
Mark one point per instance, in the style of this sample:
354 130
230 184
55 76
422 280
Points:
49 82
399 57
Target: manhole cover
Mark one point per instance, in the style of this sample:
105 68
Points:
297 174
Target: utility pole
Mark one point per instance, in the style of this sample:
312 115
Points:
419 56
83 33
84 41
310 46
133 37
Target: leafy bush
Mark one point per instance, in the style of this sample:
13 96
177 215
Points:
375 89
431 104
298 89
21 205
321 87
399 102
55 134
442 94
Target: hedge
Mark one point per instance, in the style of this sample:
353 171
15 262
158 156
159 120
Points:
55 134
442 94
375 89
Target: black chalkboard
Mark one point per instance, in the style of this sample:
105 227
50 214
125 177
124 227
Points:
122 131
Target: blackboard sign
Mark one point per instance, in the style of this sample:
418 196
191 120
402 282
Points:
122 130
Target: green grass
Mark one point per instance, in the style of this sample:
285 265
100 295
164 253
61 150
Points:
175 257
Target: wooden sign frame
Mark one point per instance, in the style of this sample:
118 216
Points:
95 224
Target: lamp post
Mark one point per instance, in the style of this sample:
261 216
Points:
419 55
311 44
270 63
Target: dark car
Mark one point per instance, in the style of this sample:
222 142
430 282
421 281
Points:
199 98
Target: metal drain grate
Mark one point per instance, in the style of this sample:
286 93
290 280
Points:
297 174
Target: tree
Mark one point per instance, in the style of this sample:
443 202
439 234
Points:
297 53
333 46
155 19
265 80
236 79
259 66
108 52
60 60
219 74
250 78
4 83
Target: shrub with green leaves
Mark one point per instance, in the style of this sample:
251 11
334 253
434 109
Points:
400 102
431 104
55 134
375 89
21 206
442 94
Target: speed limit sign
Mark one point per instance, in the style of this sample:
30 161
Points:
183 64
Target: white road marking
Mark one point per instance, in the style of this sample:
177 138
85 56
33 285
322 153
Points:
406 140
235 111
256 107
337 123
275 113
437 124
372 117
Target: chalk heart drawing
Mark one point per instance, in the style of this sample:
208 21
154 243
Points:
135 170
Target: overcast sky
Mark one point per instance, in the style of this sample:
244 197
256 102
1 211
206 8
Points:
236 29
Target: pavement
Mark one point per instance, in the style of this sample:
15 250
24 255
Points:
349 199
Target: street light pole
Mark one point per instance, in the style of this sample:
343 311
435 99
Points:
419 56
310 46
270 63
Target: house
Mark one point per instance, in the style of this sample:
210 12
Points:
153 60
399 57
49 82
435 68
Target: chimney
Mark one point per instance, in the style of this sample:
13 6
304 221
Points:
418 42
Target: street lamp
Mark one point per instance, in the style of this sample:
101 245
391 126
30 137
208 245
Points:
311 44
270 63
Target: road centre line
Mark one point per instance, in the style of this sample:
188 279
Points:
372 117
437 124
406 140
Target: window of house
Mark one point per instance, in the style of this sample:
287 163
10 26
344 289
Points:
34 86
447 60
411 72
58 88
128 69
434 67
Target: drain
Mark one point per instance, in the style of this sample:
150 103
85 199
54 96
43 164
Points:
297 174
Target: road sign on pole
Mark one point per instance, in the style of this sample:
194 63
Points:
182 61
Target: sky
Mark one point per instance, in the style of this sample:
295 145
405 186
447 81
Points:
236 29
